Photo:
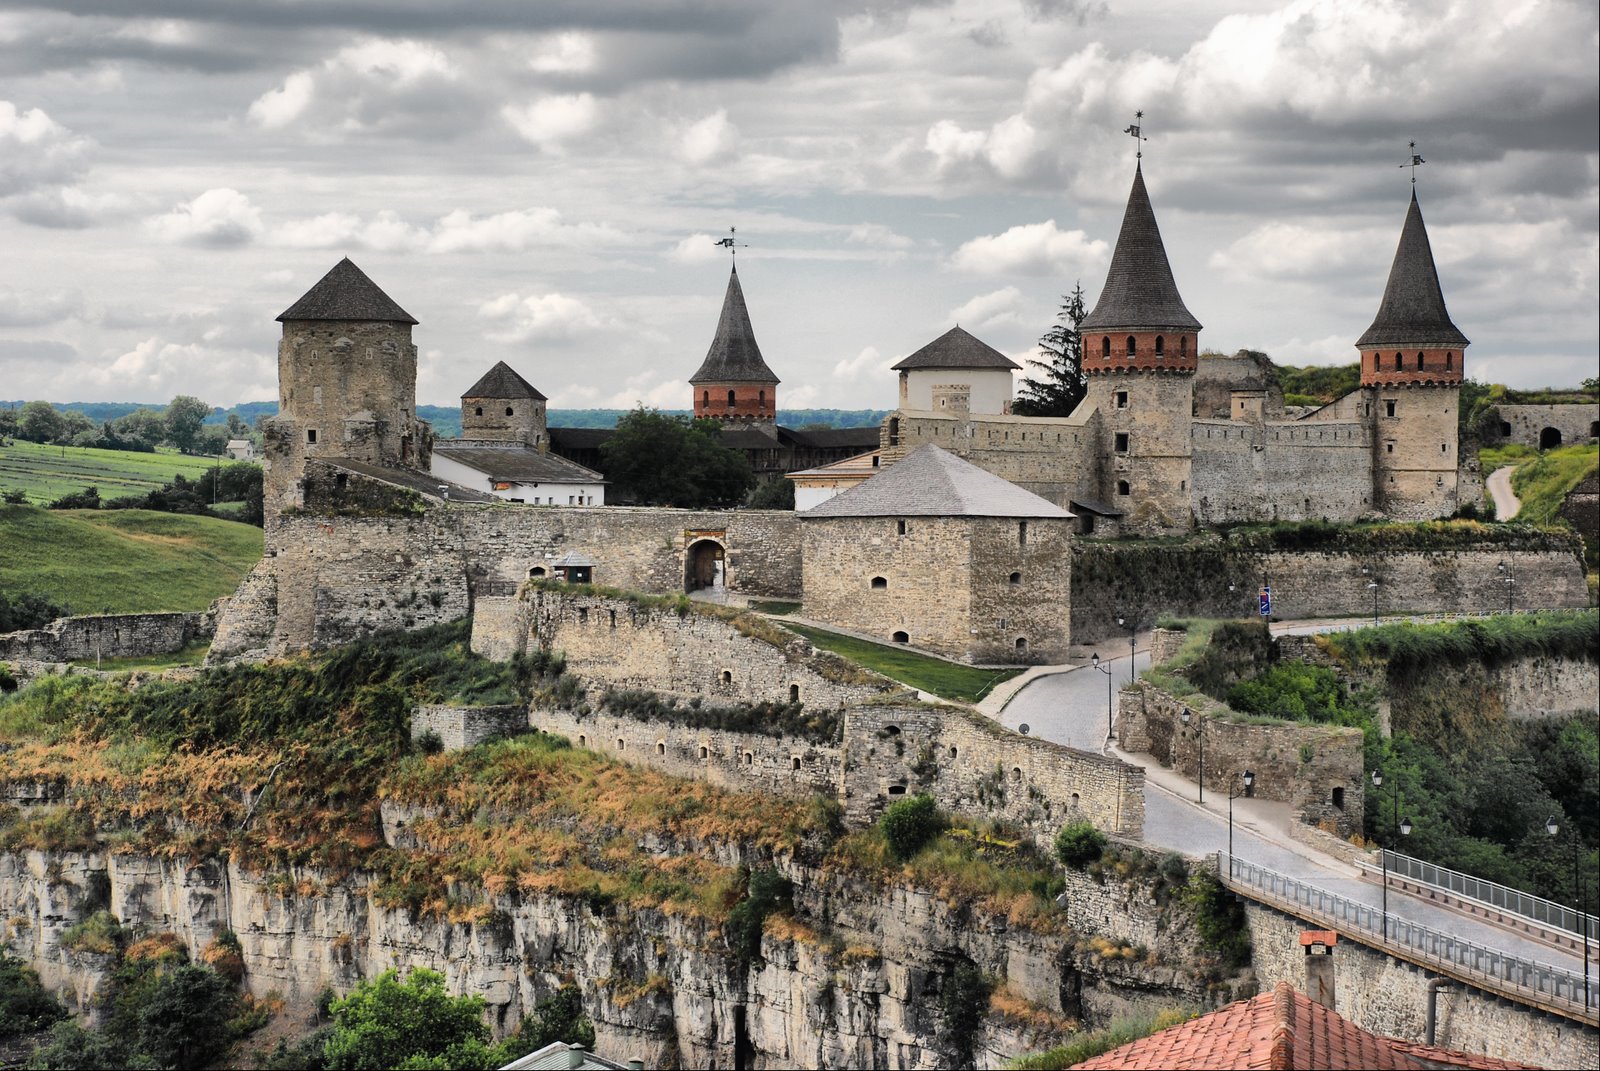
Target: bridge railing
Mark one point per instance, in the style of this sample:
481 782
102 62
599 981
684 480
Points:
1532 908
1527 981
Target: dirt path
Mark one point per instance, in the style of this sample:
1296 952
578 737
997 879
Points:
1506 503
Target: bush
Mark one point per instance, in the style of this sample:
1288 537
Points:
1219 919
1079 844
769 891
964 1002
429 743
13 497
560 1018
25 1006
387 1023
24 611
88 498
908 825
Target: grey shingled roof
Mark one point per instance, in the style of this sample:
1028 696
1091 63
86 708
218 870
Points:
957 349
1413 312
734 356
502 381
930 482
1139 290
421 482
345 293
516 463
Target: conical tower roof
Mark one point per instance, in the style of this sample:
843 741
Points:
734 356
957 349
1139 290
502 381
345 293
1413 312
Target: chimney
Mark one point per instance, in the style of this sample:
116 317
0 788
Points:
575 1055
1318 945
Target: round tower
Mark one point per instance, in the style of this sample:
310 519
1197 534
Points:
347 384
1412 361
734 384
1141 347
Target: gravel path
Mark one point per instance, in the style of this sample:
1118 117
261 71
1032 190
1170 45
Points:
1506 503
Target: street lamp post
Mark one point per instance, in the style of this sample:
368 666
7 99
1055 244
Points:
1372 586
1405 831
1132 625
1552 827
1201 731
1249 779
1507 575
1094 660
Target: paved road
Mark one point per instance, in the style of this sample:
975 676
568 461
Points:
1070 708
1506 503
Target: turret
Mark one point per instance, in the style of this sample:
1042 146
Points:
1141 347
734 384
1412 340
347 384
504 406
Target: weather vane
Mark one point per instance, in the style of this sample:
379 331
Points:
1415 160
728 243
1136 129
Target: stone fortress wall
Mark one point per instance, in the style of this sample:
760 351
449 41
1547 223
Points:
1248 471
1575 422
90 637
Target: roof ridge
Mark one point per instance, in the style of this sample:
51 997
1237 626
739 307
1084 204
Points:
1412 310
346 293
956 348
1283 1028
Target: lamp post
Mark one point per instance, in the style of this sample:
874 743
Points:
1201 732
1249 779
1506 573
1132 625
1094 660
1372 586
1404 826
1552 827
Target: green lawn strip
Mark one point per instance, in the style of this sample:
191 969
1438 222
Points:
127 561
967 684
775 607
45 473
1542 483
192 655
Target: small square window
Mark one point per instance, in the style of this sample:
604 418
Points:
1122 399
1388 408
311 435
1122 442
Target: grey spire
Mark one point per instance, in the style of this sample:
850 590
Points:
502 381
345 293
1413 312
1139 290
734 356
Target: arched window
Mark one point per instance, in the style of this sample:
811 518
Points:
1419 362
1449 362
891 730
705 752
1183 346
730 399
880 583
1398 363
794 762
1016 773
727 676
901 637
478 411
536 572
510 411
794 693
761 400
1133 346
1161 346
661 748
1105 347
1022 645
1015 578
705 399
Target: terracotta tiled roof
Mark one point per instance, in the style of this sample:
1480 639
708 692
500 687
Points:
1280 1029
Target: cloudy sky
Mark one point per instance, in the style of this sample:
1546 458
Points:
542 182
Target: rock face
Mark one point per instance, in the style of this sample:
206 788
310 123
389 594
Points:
855 978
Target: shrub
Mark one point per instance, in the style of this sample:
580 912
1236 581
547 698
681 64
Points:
386 1023
1078 844
908 825
429 743
1219 919
24 611
964 1002
25 1006
88 498
770 891
559 1018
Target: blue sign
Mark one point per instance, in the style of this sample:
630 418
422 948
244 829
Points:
1266 601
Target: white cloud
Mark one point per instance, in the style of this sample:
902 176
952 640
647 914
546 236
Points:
518 231
876 234
645 388
695 249
1032 249
68 207
157 368
869 364
952 145
280 107
399 62
36 150
710 139
538 317
567 53
549 121
997 306
221 217
1298 250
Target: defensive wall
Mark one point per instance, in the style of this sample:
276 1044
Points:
1316 769
1530 425
459 728
1057 458
86 638
1143 581
1251 471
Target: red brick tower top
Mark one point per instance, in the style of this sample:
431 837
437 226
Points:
1140 322
1412 340
734 384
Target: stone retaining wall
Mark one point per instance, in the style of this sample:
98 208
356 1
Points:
459 727
89 637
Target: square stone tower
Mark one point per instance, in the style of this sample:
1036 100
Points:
504 407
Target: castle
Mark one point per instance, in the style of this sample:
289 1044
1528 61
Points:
1166 439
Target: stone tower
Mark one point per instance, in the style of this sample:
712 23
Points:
505 407
1141 347
347 385
734 385
1411 365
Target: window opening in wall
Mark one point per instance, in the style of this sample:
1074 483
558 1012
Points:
749 758
1338 797
613 614
953 751
341 480
880 583
1133 347
1122 399
1444 448
1161 346
705 398
1388 408
477 411
1022 533
661 748
1022 645
705 752
1121 446
1014 578
727 676
1449 361
1419 362
510 411
583 741
891 730
794 693
583 615
1183 346
897 790
536 571
730 399
1105 347
1016 773
1122 487
901 637
1388 448
900 527
622 745
794 762
1075 801
311 435
894 431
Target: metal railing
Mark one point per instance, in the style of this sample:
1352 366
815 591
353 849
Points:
1524 980
1531 908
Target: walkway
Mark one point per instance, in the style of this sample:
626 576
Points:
1069 707
1506 503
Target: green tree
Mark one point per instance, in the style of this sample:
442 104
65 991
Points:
25 1005
386 1023
39 422
659 459
1079 844
184 416
774 492
908 825
1060 384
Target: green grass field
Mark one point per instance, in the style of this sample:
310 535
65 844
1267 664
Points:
965 684
1543 482
130 561
45 473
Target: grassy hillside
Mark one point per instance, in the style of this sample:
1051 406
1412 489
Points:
128 560
1543 482
45 473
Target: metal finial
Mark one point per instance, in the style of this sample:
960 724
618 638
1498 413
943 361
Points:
728 243
1415 160
1136 129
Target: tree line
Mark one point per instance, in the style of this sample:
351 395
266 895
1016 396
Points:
180 425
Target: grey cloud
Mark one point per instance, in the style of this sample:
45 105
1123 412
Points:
36 351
